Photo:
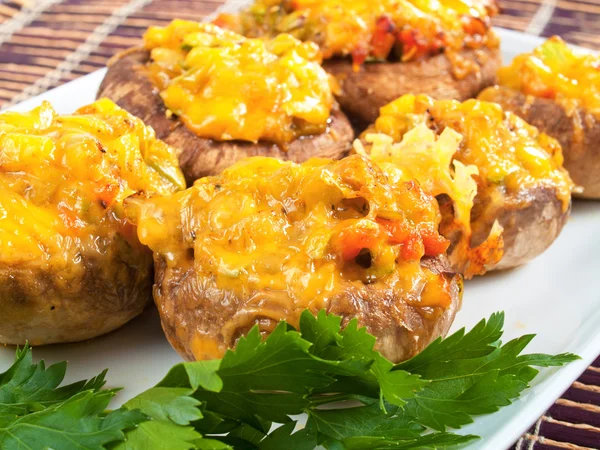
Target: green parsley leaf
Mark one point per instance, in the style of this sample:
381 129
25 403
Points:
355 347
26 387
472 374
285 438
429 441
157 435
212 444
77 423
199 374
246 401
213 423
368 427
170 411
249 434
369 420
266 378
167 404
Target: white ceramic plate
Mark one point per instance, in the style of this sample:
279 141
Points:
556 296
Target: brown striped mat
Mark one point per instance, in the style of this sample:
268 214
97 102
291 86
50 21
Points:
573 422
44 43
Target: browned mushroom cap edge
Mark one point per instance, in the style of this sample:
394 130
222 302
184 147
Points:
363 92
128 85
578 133
192 306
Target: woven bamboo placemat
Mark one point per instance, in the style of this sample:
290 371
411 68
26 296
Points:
44 43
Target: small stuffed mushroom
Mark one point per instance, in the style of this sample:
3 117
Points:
557 89
503 191
71 265
219 97
268 239
381 50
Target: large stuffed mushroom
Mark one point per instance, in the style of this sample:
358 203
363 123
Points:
268 239
219 97
71 265
381 50
557 89
502 188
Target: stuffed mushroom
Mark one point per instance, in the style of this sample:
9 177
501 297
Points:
557 89
381 50
499 181
219 97
268 239
71 265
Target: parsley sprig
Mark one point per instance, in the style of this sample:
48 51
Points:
352 396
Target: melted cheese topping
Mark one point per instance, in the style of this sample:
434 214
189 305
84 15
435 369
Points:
481 150
224 86
555 71
63 180
309 231
504 148
422 156
406 29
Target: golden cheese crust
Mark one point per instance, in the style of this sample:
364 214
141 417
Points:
557 89
128 85
268 239
71 265
501 185
381 50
